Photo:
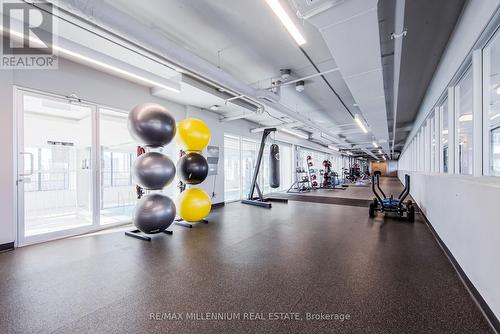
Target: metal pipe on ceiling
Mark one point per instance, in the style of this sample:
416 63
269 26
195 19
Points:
128 30
397 36
335 69
325 80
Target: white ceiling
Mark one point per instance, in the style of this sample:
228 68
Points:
246 40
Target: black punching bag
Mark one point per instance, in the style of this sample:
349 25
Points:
274 166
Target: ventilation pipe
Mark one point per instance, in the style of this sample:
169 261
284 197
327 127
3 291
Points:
112 19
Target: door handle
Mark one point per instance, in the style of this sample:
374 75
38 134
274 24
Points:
31 163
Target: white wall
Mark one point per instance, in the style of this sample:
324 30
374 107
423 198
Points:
217 130
70 78
464 212
7 197
105 89
462 209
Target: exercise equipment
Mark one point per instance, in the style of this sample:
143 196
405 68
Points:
193 135
151 125
193 205
302 183
153 171
383 203
274 166
154 213
260 200
311 172
192 168
330 178
138 189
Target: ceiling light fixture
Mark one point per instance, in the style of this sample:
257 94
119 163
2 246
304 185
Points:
299 86
99 63
294 133
331 147
214 107
358 121
380 151
286 21
374 143
495 116
498 90
465 118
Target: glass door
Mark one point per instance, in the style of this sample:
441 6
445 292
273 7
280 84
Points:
117 152
56 179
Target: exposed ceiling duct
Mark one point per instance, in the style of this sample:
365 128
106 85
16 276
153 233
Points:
102 15
351 31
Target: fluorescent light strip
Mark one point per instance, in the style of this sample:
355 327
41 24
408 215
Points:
331 147
358 121
98 63
375 144
293 133
286 21
465 118
380 151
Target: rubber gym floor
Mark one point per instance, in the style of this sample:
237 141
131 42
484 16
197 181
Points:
389 276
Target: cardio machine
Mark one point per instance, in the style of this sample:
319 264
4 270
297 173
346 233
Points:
383 203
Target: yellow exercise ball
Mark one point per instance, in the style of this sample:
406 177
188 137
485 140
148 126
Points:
193 205
193 135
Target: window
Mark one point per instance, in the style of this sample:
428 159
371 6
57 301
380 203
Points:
285 167
232 172
464 123
491 64
427 145
495 151
248 162
53 169
116 169
240 158
444 134
433 142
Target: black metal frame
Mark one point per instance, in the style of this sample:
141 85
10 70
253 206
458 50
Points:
401 207
401 197
183 223
335 176
138 235
260 200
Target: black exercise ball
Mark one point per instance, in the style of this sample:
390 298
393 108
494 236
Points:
151 125
153 171
192 168
154 213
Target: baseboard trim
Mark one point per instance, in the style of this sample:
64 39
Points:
218 205
476 296
7 247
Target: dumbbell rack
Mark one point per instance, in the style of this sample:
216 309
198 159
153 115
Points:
300 181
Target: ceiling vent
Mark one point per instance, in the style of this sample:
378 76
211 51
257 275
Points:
308 8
